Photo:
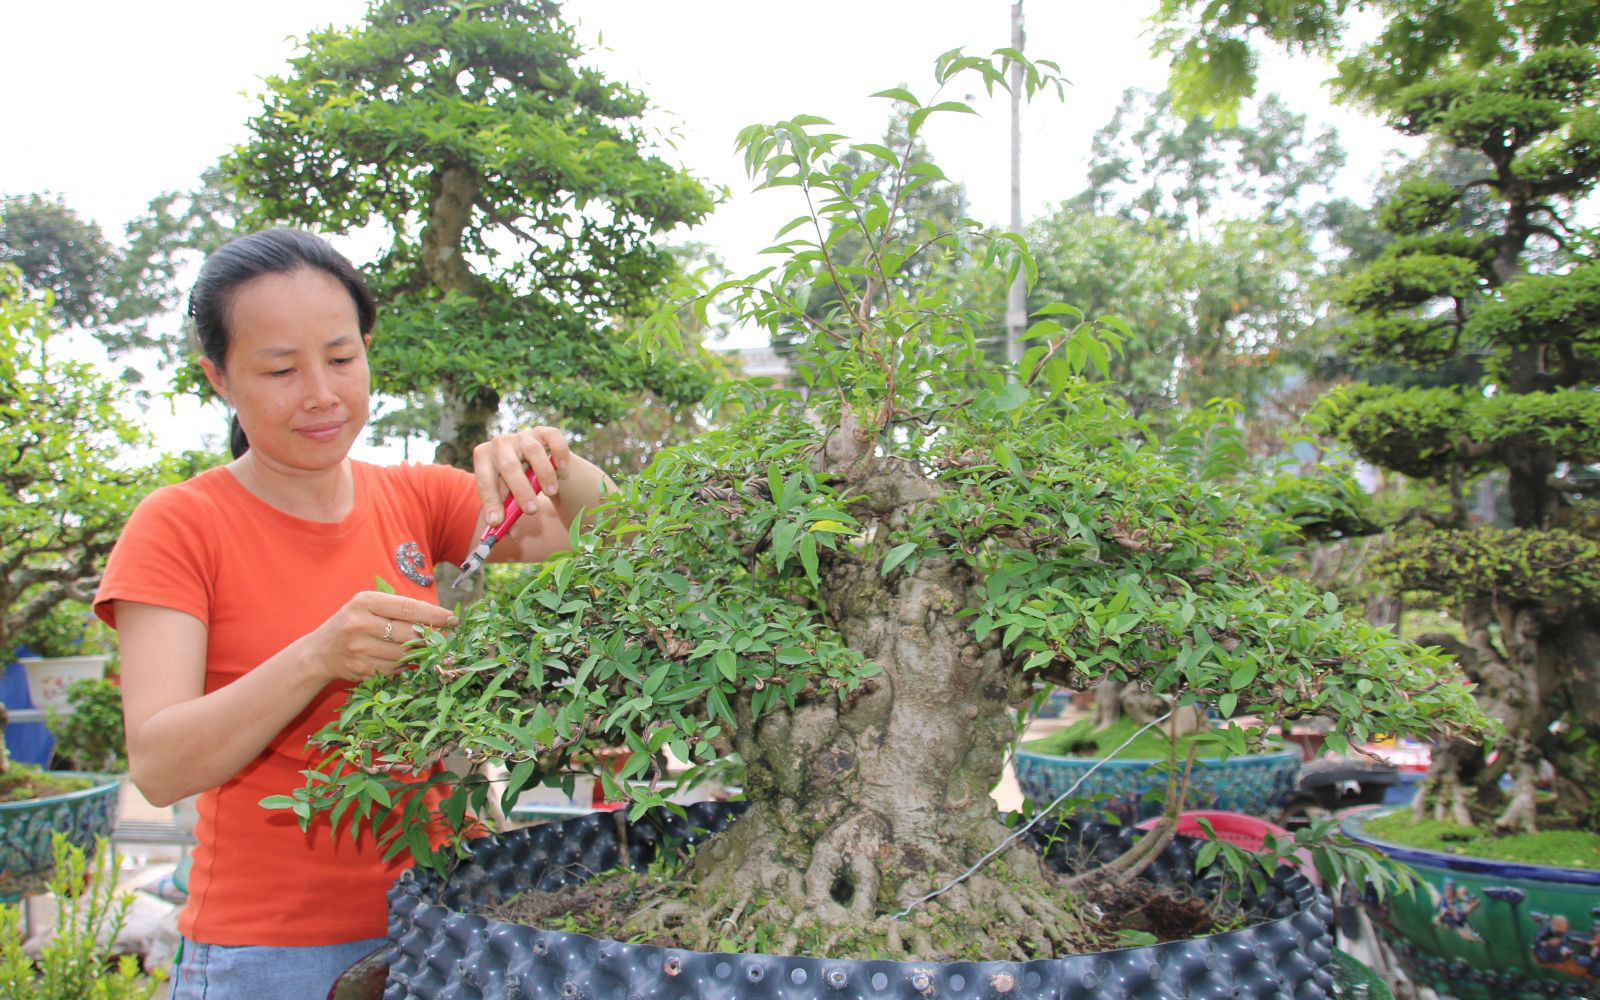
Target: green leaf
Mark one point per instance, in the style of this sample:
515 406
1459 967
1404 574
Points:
382 584
899 94
727 664
897 555
808 556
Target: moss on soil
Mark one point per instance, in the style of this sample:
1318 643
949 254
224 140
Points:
1081 740
1562 848
618 906
26 781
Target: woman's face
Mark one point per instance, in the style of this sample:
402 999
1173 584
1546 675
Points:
296 368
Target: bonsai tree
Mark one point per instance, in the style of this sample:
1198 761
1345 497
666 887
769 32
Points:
1527 595
855 585
521 195
66 488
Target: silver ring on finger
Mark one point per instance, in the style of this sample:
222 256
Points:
388 630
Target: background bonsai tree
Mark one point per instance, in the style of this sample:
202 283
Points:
520 194
1528 595
855 586
65 488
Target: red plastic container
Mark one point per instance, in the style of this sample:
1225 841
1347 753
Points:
1245 831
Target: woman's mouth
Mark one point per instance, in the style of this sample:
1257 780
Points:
321 432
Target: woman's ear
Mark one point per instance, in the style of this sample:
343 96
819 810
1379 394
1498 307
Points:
219 381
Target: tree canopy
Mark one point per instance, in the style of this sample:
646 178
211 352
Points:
67 487
1214 63
521 200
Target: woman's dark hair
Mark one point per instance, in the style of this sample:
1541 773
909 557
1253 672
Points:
271 251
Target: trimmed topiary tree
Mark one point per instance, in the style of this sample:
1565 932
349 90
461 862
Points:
1528 595
855 585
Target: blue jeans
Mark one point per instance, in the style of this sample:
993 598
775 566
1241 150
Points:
263 972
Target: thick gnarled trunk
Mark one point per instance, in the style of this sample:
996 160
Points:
860 806
1538 674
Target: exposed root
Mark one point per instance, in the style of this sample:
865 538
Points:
1521 813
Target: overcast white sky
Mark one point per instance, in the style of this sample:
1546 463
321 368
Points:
110 103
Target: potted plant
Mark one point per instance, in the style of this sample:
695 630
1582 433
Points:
1485 277
64 646
79 960
36 804
854 586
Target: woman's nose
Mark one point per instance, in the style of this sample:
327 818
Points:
319 390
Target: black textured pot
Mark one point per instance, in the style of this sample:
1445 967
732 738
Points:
439 950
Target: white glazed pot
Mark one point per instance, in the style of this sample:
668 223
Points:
50 676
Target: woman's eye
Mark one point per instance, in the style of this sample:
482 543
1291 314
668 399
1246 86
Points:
344 361
281 372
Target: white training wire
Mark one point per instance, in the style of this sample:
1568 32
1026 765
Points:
1030 824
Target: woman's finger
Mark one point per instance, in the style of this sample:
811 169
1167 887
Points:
406 612
555 443
490 487
536 456
510 456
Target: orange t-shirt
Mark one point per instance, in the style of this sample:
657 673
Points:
259 579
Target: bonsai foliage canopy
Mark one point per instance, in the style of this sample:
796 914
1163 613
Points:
521 198
1528 595
855 582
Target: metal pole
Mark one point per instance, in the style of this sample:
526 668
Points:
1017 301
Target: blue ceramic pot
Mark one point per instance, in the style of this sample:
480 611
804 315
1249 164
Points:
26 826
1478 929
1257 784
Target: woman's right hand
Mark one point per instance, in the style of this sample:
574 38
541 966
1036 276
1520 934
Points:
369 635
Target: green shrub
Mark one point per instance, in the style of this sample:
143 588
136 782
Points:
77 963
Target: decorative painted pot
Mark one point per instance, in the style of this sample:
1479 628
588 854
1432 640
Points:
439 947
1257 784
50 676
1490 930
25 828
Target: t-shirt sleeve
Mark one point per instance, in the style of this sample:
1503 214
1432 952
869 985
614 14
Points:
450 497
161 558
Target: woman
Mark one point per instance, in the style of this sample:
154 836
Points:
245 607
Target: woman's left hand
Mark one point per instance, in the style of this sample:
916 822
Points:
501 466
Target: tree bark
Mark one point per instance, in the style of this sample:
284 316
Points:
467 414
465 421
859 806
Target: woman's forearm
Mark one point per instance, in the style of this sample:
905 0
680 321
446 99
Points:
583 486
203 742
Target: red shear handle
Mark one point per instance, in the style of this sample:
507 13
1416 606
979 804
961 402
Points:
512 512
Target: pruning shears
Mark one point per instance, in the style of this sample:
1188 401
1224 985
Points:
492 534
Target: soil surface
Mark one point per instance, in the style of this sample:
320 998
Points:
1120 916
24 781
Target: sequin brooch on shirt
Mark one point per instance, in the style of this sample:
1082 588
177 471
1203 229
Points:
413 564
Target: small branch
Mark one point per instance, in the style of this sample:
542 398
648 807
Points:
1551 233
1565 485
1433 517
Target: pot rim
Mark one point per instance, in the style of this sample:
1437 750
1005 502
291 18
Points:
103 780
1293 754
1354 826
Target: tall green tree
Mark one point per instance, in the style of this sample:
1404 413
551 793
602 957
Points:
1528 597
127 295
1215 65
522 204
58 251
1202 238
